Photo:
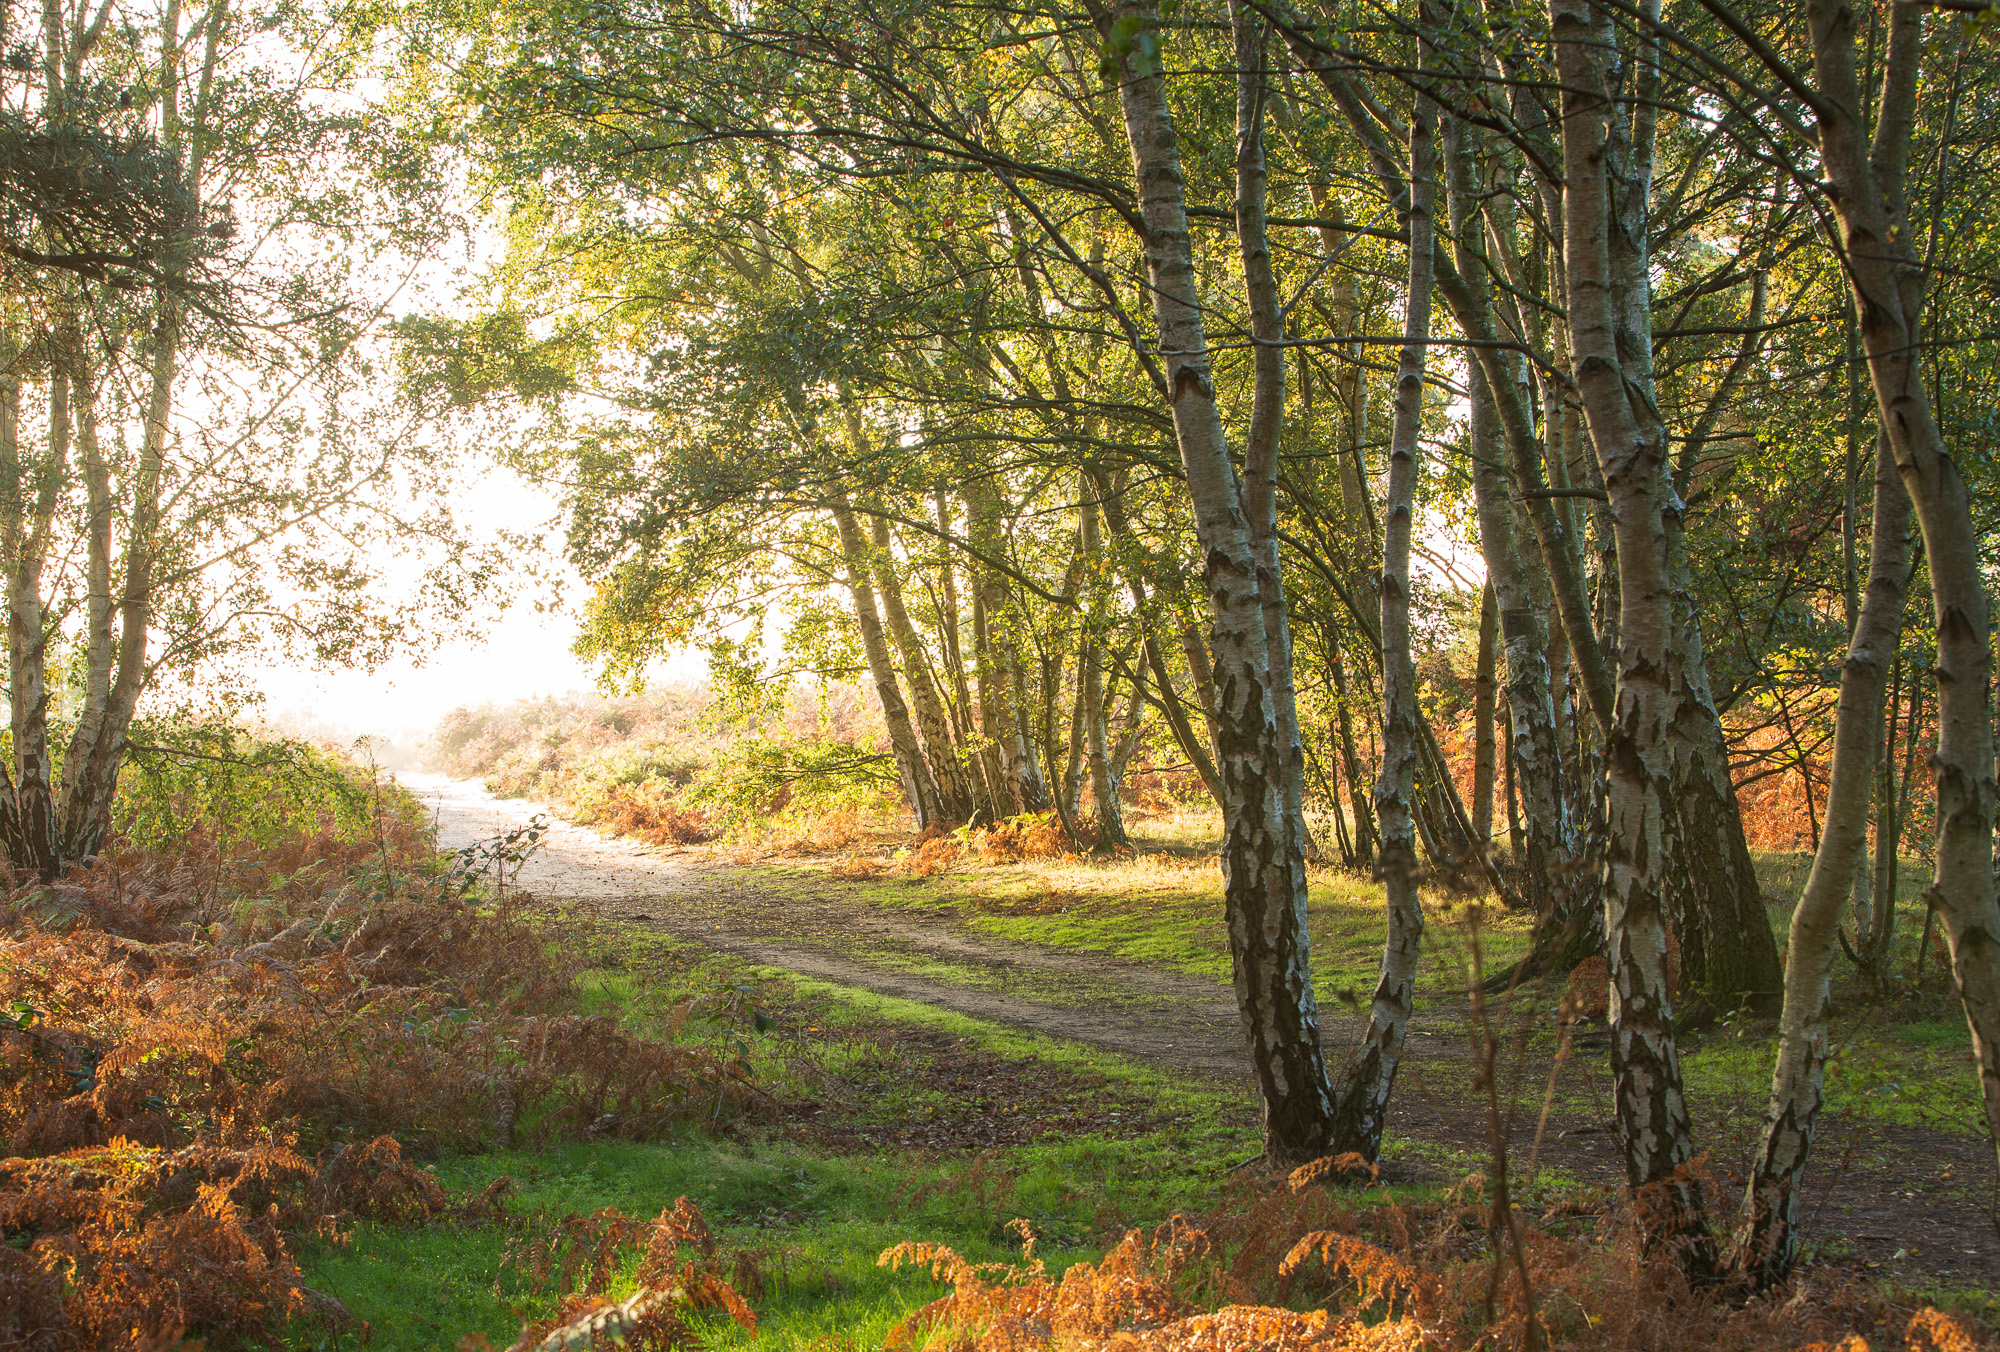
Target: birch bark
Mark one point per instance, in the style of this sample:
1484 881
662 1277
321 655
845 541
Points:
1632 449
90 768
916 775
1264 881
1110 820
1544 865
955 796
1370 1076
1868 198
1767 1240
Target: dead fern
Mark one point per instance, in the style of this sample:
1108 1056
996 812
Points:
206 1052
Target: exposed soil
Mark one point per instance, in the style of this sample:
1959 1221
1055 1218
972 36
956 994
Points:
986 1100
1902 1199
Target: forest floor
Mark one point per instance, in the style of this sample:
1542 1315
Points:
1127 958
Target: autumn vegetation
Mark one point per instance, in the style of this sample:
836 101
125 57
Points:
1516 472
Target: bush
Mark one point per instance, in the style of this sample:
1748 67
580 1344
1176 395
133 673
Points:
1029 836
241 785
667 767
1304 1268
206 1050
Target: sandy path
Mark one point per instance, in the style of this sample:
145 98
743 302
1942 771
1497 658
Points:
816 931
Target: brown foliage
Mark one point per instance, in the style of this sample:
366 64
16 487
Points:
1029 836
131 1245
578 1257
1588 994
1297 1269
939 854
649 811
176 1027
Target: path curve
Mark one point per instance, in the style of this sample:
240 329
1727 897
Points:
1160 1017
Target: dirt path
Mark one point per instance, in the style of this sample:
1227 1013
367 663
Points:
1878 1188
1152 1016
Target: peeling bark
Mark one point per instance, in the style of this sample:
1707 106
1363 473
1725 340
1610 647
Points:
1767 1238
1605 243
1264 881
1868 199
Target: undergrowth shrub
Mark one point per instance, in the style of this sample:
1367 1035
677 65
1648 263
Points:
579 1257
1029 836
132 1245
677 766
1156 788
1301 1267
189 773
939 854
206 1050
651 811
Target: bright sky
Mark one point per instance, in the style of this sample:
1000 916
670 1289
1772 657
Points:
524 653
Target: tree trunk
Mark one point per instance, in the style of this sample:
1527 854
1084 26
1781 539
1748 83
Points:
1542 859
1267 409
916 774
1201 677
985 789
90 771
1729 956
1195 748
1263 861
1350 765
100 638
30 496
1365 1087
1728 953
955 794
1606 170
1868 186
1028 765
1358 514
998 662
1881 900
1110 821
1767 1242
1485 700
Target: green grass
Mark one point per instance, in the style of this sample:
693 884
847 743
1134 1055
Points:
1157 912
1906 1074
819 1219
1217 1116
1898 1061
